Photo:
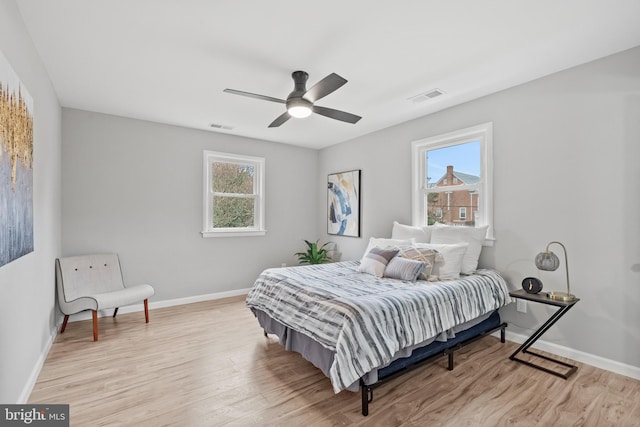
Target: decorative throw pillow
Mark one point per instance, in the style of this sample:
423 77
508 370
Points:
404 269
376 260
425 255
474 236
382 243
451 264
420 234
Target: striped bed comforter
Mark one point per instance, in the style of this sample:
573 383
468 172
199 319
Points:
364 319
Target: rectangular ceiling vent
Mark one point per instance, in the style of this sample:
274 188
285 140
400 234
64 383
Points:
434 93
219 126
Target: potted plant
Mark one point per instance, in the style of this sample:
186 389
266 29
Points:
314 254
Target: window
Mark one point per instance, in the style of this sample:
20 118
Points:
233 195
452 176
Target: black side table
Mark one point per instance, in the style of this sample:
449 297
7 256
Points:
564 306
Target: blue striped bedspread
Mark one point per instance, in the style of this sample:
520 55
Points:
364 319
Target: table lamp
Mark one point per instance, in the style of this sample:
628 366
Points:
548 261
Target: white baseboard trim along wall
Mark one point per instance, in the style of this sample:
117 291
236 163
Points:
558 350
35 372
86 315
578 356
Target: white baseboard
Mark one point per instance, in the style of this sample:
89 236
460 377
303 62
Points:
86 315
35 372
578 356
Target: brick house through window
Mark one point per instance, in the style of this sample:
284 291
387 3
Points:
454 207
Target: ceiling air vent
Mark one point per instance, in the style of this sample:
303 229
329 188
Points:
434 93
219 126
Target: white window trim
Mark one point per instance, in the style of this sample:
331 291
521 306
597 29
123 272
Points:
483 133
259 190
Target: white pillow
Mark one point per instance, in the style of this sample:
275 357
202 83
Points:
474 236
381 242
453 255
402 231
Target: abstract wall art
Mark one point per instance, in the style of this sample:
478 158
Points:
16 166
343 203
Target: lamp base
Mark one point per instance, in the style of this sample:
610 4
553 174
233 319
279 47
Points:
560 296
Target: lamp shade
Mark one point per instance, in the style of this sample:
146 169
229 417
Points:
547 261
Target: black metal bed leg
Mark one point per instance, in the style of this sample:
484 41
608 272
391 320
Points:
367 390
367 397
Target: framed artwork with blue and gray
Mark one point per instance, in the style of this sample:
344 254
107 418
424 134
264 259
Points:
343 203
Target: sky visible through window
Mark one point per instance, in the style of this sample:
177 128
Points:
465 158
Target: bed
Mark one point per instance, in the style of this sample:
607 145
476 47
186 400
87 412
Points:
361 330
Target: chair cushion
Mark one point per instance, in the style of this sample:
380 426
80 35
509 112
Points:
113 299
126 296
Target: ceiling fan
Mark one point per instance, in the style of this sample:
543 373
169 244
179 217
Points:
300 102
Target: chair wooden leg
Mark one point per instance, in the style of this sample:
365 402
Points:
95 324
64 323
146 311
115 312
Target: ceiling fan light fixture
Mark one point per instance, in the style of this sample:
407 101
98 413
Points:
299 108
300 112
300 102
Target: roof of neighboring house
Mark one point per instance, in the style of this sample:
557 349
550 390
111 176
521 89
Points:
466 178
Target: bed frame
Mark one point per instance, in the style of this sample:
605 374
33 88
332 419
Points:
419 356
429 353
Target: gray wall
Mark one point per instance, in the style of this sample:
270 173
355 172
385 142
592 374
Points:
135 188
27 307
566 150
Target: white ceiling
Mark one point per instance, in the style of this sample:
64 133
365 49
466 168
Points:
168 61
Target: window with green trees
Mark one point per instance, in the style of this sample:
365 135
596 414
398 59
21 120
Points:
234 194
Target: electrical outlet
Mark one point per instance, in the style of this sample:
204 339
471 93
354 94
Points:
284 264
521 306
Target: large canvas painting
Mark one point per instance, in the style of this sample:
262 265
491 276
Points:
343 201
16 166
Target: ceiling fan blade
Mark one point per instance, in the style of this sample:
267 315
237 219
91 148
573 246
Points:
324 87
255 95
336 114
280 120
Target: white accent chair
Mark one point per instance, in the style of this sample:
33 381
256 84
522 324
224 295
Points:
94 282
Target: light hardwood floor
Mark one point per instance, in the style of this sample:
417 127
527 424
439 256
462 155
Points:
208 364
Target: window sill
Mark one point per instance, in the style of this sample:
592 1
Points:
233 233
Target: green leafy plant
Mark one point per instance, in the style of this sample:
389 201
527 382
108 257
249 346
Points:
315 254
